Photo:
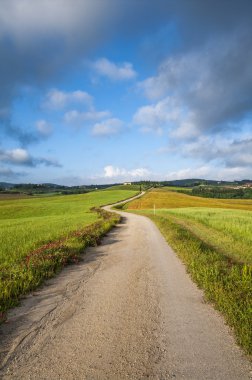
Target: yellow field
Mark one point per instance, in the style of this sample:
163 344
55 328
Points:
170 199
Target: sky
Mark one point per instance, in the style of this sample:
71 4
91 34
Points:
106 91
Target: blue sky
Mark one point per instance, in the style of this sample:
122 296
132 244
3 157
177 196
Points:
107 91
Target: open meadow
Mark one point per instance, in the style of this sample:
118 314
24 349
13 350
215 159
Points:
214 239
37 236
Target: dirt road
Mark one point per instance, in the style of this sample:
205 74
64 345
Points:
129 310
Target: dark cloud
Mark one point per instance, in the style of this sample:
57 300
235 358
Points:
46 162
25 137
227 153
212 86
40 40
200 20
236 154
221 93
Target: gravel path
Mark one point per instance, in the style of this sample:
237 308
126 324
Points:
129 310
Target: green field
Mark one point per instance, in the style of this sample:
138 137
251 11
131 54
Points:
214 239
28 224
229 231
125 187
25 224
177 188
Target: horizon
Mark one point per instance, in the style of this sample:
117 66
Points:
99 94
128 182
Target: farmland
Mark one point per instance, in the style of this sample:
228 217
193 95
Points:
163 198
132 187
213 238
228 230
28 224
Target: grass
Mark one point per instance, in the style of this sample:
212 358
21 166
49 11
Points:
171 199
214 240
229 231
177 188
125 187
4 197
38 236
26 224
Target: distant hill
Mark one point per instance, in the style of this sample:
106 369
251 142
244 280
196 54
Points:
46 188
7 185
200 181
52 187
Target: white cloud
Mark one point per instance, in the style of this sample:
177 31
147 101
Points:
78 118
172 74
185 128
113 71
43 127
107 127
114 172
156 117
111 172
15 156
56 99
139 172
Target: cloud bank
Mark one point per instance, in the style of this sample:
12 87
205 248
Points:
119 174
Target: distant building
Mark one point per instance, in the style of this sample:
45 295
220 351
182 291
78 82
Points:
127 183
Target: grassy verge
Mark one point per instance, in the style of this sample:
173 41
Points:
49 259
226 283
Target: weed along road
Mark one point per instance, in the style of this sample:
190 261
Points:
129 310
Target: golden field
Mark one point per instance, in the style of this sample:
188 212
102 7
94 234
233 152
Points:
170 199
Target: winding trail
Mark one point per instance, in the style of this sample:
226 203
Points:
128 311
